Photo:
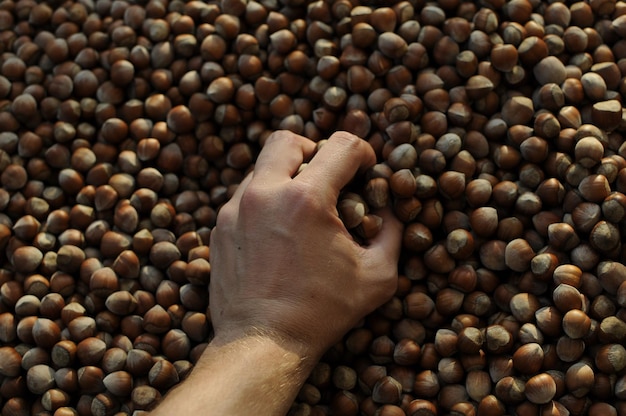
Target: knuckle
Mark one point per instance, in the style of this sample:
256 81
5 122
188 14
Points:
253 198
282 136
225 216
275 136
348 139
304 197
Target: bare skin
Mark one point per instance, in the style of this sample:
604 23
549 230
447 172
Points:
287 279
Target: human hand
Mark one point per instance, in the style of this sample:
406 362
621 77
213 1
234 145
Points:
283 264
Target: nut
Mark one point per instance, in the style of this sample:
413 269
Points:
540 389
40 378
579 379
528 358
10 362
518 255
120 383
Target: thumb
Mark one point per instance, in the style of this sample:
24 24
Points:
383 251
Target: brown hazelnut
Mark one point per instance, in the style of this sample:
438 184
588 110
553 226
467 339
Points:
120 383
528 358
540 389
40 378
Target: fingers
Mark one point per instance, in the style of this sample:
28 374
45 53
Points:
278 161
336 163
282 155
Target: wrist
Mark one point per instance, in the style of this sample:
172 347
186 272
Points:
257 366
232 371
299 353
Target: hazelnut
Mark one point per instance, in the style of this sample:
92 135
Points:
10 362
120 383
163 375
528 358
540 389
610 358
40 378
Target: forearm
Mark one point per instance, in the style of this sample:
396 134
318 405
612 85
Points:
251 376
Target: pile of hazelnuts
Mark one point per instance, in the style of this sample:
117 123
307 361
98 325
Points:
498 126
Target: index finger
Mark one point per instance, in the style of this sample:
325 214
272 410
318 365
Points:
336 163
282 155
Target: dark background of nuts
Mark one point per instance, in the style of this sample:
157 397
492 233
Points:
124 125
